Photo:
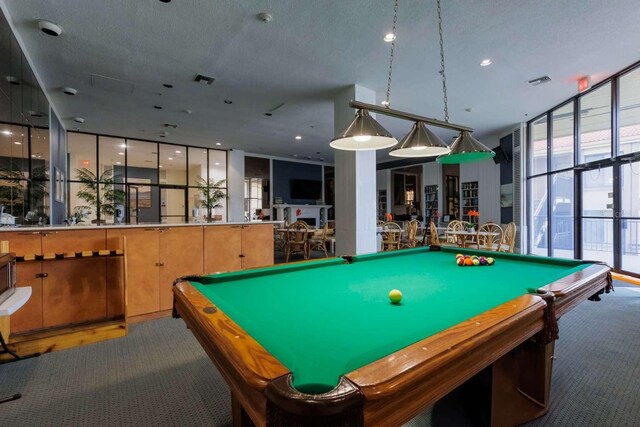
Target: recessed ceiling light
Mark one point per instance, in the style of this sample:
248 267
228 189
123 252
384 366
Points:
7 132
485 62
167 85
389 37
157 107
298 137
123 145
169 158
385 103
78 119
228 101
217 164
49 28
33 155
118 163
17 142
69 90
178 151
121 153
217 143
160 166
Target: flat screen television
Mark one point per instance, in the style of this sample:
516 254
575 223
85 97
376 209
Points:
501 155
305 189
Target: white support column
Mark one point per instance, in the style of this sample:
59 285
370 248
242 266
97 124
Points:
235 185
355 180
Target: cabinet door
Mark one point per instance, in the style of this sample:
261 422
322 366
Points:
72 241
257 245
143 294
74 291
29 316
180 254
222 248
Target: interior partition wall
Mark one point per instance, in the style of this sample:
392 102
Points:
156 182
583 176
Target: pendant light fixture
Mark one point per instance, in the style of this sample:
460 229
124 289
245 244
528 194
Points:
466 149
364 132
420 142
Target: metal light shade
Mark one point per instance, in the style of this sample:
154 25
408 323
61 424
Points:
363 133
420 142
466 149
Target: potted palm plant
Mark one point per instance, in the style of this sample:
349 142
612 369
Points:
104 203
211 192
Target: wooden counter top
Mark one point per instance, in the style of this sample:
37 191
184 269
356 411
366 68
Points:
112 226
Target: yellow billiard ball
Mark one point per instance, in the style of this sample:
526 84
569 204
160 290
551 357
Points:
490 261
395 296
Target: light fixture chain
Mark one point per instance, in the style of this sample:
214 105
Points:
442 73
393 45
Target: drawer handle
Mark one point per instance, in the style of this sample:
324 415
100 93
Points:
45 234
241 256
42 275
159 264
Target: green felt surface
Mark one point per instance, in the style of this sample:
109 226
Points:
324 319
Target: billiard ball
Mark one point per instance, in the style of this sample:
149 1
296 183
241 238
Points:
395 296
460 261
459 255
483 261
476 262
468 261
490 261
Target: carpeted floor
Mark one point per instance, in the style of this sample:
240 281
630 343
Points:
159 376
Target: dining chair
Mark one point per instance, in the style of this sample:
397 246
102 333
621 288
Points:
391 234
488 237
411 232
279 240
508 238
319 241
435 239
452 226
297 241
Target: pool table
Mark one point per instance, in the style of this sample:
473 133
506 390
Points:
319 342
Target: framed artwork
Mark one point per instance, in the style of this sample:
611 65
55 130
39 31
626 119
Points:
506 195
144 192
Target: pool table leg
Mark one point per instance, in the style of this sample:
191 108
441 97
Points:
521 384
239 415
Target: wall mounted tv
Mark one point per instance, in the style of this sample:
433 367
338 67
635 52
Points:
305 189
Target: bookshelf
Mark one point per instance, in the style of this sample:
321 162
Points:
431 202
469 200
382 203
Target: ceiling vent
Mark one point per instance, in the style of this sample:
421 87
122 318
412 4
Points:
170 125
204 79
540 80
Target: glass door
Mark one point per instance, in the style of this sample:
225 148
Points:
173 202
597 230
630 217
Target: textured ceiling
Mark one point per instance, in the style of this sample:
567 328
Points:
304 56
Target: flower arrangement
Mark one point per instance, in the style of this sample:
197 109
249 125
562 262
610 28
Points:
473 217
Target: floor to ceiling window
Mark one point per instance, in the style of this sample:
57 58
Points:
583 176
